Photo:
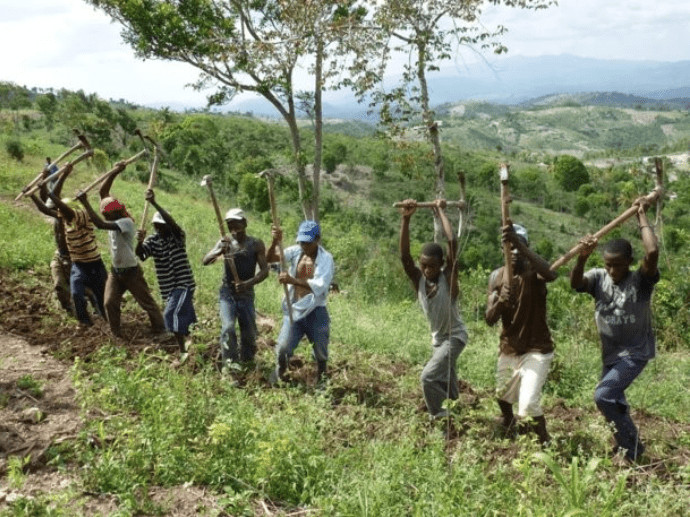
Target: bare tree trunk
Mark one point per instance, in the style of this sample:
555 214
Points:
433 135
318 127
291 120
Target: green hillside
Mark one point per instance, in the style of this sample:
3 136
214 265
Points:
361 446
563 125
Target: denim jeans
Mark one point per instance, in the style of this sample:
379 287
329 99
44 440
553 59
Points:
240 309
315 325
92 275
610 399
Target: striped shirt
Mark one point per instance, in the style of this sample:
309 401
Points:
81 239
170 257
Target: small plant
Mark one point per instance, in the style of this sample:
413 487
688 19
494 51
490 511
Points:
30 385
15 149
15 470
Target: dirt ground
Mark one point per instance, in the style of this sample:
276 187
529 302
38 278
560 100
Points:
39 410
38 406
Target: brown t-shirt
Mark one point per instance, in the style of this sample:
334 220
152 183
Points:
524 324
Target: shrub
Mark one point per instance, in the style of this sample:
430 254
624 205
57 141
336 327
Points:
570 173
15 149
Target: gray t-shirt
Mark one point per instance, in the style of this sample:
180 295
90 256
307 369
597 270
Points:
623 314
122 244
442 312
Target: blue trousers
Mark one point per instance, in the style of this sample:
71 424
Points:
315 325
92 275
610 399
241 310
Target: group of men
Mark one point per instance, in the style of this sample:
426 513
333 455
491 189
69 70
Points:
622 299
622 314
79 274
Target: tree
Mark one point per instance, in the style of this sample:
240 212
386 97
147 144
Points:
569 172
428 30
252 46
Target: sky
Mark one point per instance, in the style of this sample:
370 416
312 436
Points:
69 44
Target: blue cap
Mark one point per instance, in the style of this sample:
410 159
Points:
308 231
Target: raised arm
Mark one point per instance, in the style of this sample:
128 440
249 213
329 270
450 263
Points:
104 191
63 208
539 264
95 218
649 242
577 278
411 270
151 198
42 206
451 270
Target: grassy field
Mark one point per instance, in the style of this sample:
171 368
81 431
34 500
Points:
361 447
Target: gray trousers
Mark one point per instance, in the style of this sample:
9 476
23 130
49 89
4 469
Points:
439 377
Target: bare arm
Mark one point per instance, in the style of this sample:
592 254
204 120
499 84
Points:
263 268
42 207
498 299
212 256
451 270
272 252
151 198
577 278
541 266
104 191
63 208
412 271
649 242
95 218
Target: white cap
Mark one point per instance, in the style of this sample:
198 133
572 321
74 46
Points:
157 218
235 214
521 231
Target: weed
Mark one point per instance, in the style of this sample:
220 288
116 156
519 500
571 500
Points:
31 385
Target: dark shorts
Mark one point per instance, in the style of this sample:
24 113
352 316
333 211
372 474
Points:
179 310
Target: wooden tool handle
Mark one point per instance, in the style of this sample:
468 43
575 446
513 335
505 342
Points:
429 204
651 197
505 220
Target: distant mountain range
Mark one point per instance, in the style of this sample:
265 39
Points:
520 80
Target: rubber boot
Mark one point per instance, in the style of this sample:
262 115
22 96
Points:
508 421
539 428
321 372
279 373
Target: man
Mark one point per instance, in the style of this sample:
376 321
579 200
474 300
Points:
87 271
435 282
526 347
623 316
125 275
237 299
175 279
311 270
61 264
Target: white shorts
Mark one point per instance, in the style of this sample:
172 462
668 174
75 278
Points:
520 378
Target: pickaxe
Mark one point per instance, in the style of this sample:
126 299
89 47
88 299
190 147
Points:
118 167
38 182
504 171
207 181
268 174
83 143
153 176
654 195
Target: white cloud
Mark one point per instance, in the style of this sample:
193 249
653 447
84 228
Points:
67 43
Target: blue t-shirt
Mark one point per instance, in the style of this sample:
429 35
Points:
623 314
